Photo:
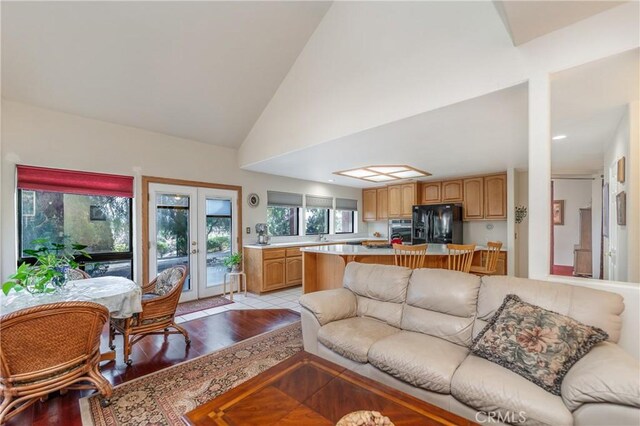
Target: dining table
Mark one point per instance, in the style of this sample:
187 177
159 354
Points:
120 295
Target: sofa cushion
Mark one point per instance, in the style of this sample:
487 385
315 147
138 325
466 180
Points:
330 305
421 360
598 308
381 290
606 374
538 344
445 311
353 337
490 388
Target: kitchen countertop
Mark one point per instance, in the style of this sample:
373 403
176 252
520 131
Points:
349 250
311 243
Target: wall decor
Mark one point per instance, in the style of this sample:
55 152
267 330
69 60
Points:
253 200
521 213
621 169
558 212
97 213
621 208
605 210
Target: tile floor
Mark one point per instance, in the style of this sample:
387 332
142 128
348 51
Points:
283 299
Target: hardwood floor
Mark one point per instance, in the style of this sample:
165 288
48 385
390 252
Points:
154 353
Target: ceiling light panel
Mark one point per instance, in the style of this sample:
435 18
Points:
408 174
358 173
380 178
388 169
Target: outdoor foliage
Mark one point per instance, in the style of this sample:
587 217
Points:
317 221
282 221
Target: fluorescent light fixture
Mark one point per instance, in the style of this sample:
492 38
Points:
358 173
408 174
380 178
383 173
388 169
559 137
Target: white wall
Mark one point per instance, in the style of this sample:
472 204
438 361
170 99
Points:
480 233
41 137
576 195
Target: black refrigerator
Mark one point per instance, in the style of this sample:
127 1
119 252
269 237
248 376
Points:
437 224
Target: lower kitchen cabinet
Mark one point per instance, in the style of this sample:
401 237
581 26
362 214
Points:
294 270
274 274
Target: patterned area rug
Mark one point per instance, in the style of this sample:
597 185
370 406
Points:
201 304
162 397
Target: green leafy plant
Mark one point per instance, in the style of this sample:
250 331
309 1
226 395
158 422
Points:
47 274
233 261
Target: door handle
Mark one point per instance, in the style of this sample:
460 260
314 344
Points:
194 251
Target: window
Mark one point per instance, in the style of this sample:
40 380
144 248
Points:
282 213
78 207
344 221
282 221
317 221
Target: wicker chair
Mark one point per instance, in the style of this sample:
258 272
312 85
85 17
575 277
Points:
77 274
48 348
159 302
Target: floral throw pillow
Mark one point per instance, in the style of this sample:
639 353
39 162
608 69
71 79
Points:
538 344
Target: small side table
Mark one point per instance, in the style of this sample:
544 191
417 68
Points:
241 277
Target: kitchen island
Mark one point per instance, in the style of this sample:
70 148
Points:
323 266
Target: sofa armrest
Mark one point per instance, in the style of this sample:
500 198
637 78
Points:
330 305
606 374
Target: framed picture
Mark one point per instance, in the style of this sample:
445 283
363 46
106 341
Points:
621 208
621 170
558 212
605 210
97 213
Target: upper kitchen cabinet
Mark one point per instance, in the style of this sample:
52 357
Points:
394 201
409 199
381 209
369 205
473 198
495 197
452 191
430 193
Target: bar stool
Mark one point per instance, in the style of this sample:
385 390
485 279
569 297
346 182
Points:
410 256
491 263
240 275
460 257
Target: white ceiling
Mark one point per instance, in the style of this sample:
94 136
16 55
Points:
526 20
198 70
587 104
482 135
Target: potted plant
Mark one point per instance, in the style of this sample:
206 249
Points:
233 262
48 273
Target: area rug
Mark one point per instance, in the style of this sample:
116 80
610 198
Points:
201 304
162 397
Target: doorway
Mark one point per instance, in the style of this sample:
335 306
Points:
193 224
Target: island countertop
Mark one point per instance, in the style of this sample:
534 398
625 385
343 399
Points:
349 250
310 243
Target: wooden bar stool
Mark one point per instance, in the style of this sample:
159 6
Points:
491 261
460 257
410 256
241 276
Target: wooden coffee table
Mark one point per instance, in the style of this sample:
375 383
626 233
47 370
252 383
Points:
308 390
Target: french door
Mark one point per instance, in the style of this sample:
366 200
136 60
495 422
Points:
196 227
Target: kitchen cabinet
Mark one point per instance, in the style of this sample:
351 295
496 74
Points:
452 191
409 199
273 268
369 205
394 201
473 205
495 197
430 193
381 207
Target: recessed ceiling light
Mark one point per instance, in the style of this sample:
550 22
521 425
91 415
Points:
331 180
384 173
559 137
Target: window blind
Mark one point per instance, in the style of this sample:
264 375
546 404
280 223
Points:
318 202
283 199
74 182
346 204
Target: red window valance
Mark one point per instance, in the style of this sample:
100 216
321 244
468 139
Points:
74 182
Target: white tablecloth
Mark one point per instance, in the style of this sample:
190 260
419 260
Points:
120 295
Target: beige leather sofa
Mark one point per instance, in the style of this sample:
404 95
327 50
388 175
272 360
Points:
412 330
